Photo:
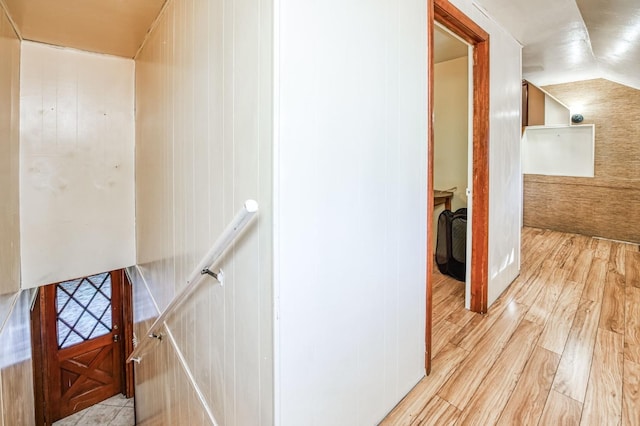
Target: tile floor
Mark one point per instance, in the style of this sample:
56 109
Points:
115 411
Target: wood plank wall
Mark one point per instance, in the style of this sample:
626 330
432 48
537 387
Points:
605 205
16 376
9 156
204 146
16 384
76 163
163 395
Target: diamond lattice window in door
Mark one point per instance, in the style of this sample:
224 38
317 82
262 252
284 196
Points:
83 309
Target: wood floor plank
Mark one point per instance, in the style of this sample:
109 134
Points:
612 314
486 370
443 331
602 248
558 326
616 258
529 290
561 410
595 281
473 332
446 287
581 267
437 412
548 296
632 268
549 246
461 316
572 375
469 329
527 238
532 245
443 366
603 401
632 324
438 279
485 407
569 249
530 394
447 307
631 394
464 382
580 242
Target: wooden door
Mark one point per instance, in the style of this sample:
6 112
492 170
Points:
82 323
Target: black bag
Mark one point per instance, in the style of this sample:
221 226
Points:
451 245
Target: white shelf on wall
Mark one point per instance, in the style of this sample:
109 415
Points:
559 150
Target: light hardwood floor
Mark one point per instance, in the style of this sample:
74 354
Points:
560 347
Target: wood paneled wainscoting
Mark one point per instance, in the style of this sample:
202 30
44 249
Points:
602 207
560 346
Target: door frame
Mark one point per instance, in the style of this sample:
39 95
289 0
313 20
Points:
40 360
458 23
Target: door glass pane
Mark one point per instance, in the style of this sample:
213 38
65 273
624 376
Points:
83 309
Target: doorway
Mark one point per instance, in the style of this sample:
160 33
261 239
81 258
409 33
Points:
451 18
451 165
79 332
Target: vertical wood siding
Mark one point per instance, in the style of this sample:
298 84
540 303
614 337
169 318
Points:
9 156
16 375
203 146
164 395
76 169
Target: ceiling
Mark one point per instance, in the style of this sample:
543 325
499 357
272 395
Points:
563 40
446 46
571 40
116 27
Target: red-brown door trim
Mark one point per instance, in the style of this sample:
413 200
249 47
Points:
39 367
453 19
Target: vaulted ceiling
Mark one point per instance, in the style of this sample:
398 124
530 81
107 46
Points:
563 40
570 40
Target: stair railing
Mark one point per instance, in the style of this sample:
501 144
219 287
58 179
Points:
208 262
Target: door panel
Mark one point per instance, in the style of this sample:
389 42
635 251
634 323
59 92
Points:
83 320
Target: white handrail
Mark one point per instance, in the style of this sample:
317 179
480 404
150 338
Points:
208 261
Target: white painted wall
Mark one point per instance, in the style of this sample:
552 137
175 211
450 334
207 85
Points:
350 208
204 105
451 131
76 163
9 156
505 180
555 113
